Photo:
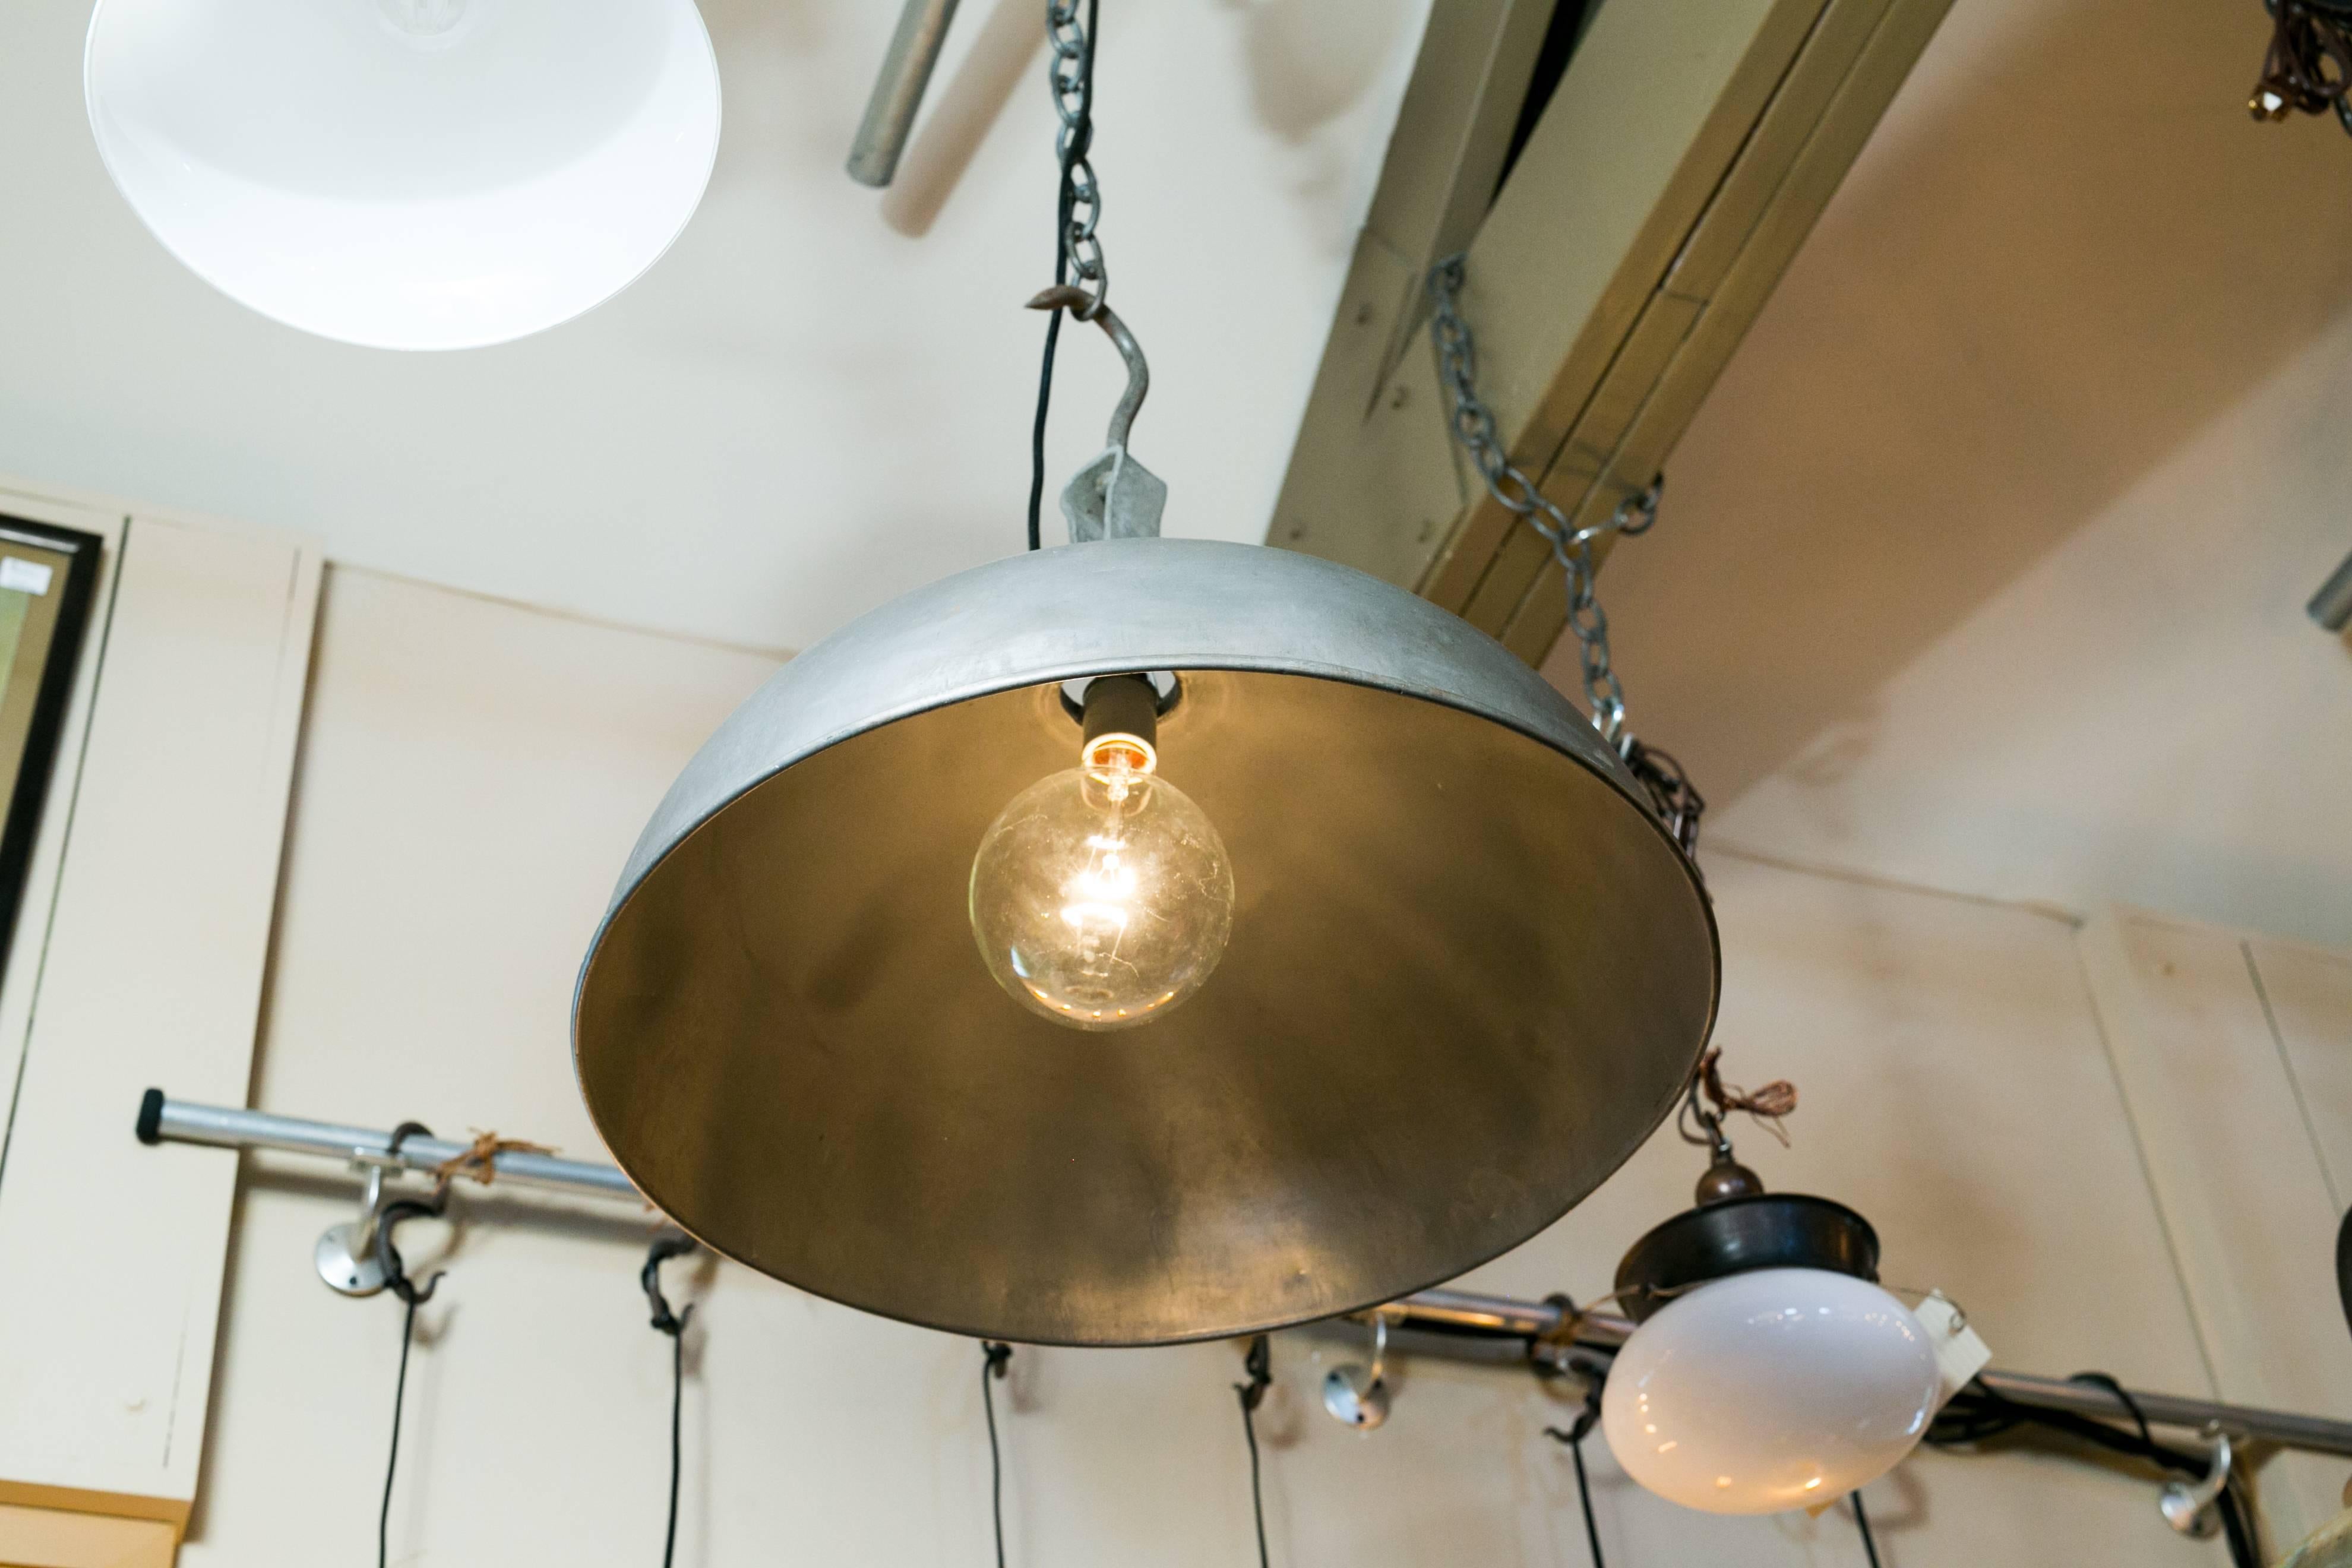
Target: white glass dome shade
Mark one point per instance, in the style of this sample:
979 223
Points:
1773 1389
407 174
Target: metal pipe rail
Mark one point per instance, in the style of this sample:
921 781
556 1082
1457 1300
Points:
899 90
1447 1318
1441 1322
162 1120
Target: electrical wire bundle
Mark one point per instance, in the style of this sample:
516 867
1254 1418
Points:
1976 1415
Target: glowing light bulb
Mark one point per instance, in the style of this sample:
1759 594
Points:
1101 896
1775 1389
407 174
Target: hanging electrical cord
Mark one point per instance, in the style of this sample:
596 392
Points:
1257 1363
1573 1438
1595 1370
993 1359
2309 64
396 1279
1678 803
1861 1523
1977 1414
669 1244
1076 209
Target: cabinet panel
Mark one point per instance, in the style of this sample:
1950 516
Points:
152 974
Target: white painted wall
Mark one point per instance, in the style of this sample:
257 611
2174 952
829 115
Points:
1984 565
803 409
141 957
471 775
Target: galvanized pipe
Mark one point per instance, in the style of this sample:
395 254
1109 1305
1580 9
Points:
180 1121
1451 1314
899 90
1437 1321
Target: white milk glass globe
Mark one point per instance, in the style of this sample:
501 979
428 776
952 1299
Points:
407 174
1776 1389
1101 897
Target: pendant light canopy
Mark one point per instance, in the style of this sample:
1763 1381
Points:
407 174
1467 972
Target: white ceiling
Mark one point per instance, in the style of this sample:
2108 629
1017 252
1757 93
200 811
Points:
820 396
1982 568
1984 565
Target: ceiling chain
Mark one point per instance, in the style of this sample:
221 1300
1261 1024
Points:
1678 803
1473 427
1073 72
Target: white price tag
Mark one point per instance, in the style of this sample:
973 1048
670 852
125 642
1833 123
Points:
1960 1354
24 576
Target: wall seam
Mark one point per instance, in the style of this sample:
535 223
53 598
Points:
2139 1145
2294 1081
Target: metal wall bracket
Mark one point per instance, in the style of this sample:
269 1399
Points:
2188 1507
346 1256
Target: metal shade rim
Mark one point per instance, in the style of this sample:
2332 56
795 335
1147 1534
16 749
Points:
1617 777
931 663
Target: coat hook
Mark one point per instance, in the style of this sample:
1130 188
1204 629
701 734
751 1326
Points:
1358 1395
346 1256
2189 1508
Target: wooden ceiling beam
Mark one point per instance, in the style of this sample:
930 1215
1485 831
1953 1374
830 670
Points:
1679 164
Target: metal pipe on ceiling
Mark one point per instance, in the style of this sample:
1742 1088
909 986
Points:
2332 605
907 70
1452 1324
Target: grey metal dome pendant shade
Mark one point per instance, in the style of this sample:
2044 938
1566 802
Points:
1468 972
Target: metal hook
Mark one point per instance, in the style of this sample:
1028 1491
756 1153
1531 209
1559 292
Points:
2188 1508
1358 1395
1083 305
1715 1140
1113 496
345 1256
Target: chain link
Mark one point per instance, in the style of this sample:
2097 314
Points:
1071 73
1473 427
1678 802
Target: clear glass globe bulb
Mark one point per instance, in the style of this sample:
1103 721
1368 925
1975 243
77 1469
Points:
1101 897
1776 1389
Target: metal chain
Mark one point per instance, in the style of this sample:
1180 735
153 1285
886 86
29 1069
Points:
1071 73
1678 805
1473 427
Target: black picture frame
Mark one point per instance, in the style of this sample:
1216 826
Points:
25 777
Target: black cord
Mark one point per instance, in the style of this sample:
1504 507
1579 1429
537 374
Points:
1082 135
1595 1372
676 1404
669 1244
1584 1496
993 1357
1861 1523
391 1461
1573 1439
1977 1413
1257 1361
396 1278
